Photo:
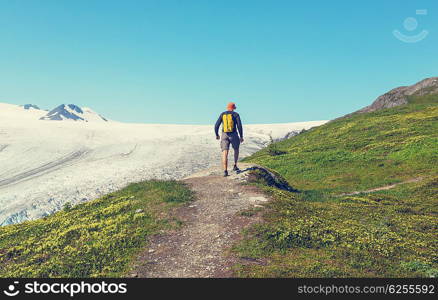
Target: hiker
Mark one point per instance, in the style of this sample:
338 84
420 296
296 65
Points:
231 124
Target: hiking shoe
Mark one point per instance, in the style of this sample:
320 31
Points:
225 173
235 168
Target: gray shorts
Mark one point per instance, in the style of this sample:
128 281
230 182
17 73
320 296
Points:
228 138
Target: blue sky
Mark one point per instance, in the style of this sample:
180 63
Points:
182 61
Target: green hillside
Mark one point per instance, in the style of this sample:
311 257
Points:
99 238
319 232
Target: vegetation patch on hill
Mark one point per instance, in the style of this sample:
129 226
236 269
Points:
99 238
319 233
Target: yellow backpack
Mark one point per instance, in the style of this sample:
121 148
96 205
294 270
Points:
228 123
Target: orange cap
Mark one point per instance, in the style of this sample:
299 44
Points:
231 106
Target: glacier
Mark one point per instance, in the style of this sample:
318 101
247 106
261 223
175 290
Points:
46 164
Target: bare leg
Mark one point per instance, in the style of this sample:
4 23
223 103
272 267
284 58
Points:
225 159
236 156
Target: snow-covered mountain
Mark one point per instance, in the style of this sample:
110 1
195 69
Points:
44 165
91 116
21 113
30 106
74 113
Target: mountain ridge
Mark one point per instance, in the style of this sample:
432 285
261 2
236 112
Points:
401 95
72 112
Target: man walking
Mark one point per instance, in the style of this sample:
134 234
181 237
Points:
231 124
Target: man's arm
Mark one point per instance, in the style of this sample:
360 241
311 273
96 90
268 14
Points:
239 126
217 125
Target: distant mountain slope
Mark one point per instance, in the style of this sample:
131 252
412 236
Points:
91 115
72 112
20 113
403 95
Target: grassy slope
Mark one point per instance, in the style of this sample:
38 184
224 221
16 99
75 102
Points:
318 233
99 238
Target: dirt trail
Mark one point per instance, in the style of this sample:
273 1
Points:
382 188
212 224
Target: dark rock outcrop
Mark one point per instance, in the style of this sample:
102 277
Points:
30 106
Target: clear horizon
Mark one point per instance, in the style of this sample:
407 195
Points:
180 62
